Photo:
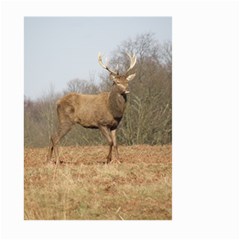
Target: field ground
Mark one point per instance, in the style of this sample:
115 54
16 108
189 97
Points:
84 188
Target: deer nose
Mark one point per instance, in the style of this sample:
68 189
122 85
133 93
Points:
126 90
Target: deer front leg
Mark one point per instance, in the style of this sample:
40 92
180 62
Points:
107 134
114 138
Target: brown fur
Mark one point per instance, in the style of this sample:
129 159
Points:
102 111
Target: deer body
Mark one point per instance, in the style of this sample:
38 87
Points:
91 111
102 111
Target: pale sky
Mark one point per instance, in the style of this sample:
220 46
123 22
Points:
59 49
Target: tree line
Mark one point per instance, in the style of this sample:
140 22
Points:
148 116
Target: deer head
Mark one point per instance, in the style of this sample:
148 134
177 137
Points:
122 80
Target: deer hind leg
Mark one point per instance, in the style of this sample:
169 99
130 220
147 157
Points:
107 134
63 129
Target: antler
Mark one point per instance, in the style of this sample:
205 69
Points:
105 66
133 61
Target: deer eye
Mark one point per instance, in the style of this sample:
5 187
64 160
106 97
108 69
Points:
116 80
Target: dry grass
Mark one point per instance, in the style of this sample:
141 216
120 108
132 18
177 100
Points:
84 188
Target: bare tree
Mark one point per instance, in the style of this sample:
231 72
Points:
82 86
149 119
102 111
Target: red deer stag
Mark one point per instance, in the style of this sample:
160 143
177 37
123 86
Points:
102 111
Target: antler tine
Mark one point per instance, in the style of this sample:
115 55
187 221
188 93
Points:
100 60
104 66
133 61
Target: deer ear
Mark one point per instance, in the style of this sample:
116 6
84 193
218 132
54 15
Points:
131 77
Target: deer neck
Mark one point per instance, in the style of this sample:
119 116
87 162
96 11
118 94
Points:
117 102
